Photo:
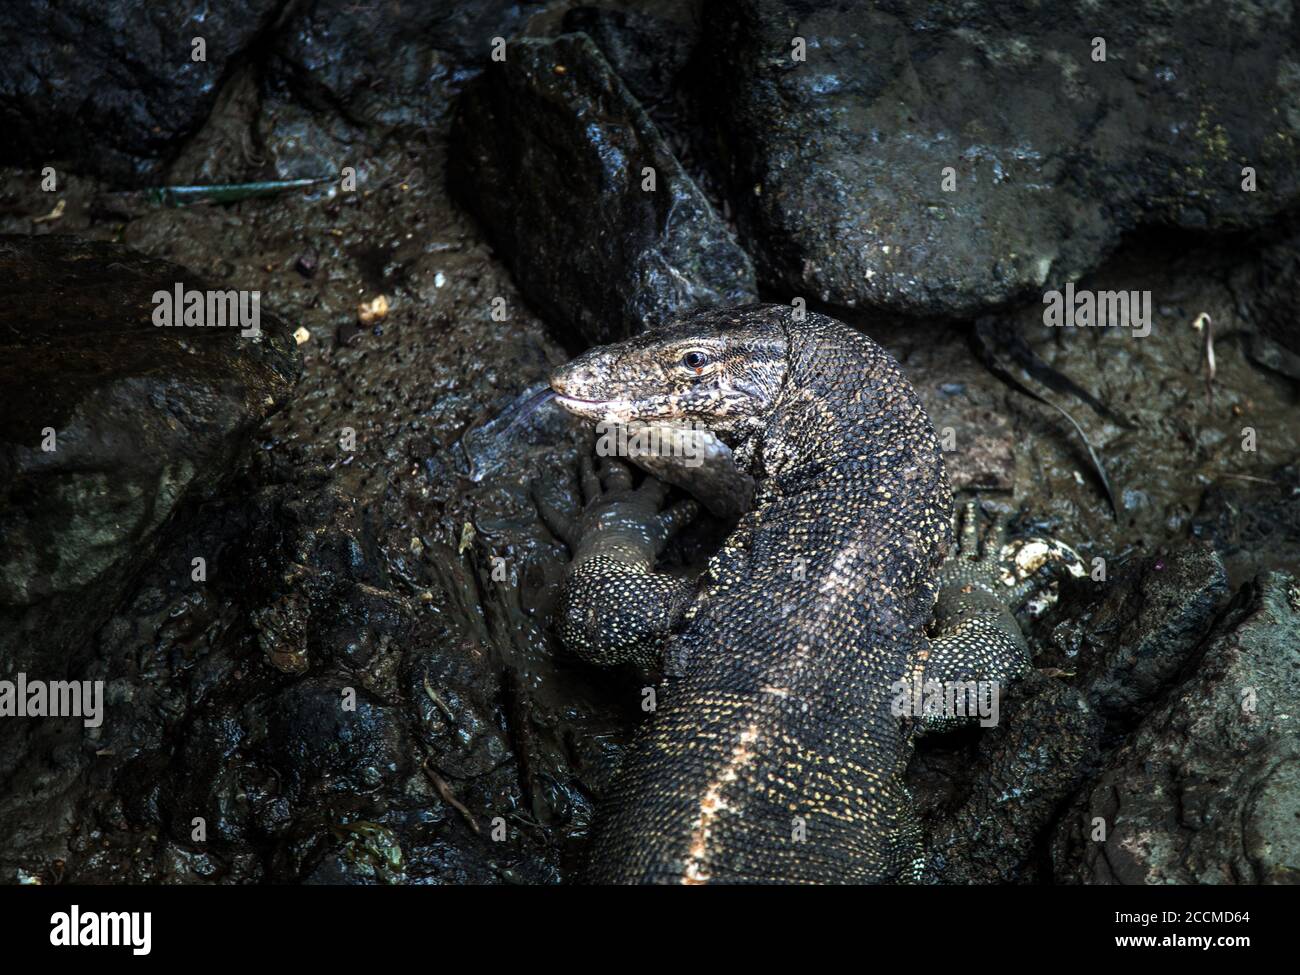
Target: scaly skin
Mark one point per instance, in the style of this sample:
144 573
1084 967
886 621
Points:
774 755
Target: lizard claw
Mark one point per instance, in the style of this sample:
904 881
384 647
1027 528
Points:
588 480
965 525
561 525
970 563
1011 569
615 476
615 516
652 490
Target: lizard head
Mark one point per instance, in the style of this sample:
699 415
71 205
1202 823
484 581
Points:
718 369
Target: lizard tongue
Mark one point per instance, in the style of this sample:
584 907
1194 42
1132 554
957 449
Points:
486 444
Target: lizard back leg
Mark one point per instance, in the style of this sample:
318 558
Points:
977 647
976 644
976 633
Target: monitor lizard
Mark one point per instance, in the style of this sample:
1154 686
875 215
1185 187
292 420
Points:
776 752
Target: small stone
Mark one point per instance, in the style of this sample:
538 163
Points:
369 312
307 264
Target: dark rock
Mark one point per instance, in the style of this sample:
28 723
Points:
1271 354
380 62
455 720
1035 758
139 415
320 746
548 150
648 52
1206 790
839 161
321 597
1135 641
344 79
113 87
222 150
1253 524
1267 289
208 781
282 633
360 854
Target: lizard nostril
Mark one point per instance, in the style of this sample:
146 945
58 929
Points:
560 381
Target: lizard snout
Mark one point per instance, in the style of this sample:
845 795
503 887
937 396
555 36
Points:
580 379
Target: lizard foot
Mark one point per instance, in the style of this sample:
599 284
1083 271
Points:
1012 570
615 608
977 653
977 647
617 520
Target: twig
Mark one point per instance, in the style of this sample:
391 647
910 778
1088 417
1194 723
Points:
448 796
1205 324
54 214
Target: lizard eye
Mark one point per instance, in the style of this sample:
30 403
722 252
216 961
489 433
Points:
694 360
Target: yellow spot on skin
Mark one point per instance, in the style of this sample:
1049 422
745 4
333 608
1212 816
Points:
712 804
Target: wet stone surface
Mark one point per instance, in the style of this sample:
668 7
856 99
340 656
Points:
1204 790
133 420
839 149
603 229
115 86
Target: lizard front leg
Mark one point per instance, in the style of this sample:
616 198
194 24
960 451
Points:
614 607
977 643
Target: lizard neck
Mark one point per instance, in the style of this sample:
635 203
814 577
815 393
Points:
848 423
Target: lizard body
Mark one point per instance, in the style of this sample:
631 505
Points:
774 754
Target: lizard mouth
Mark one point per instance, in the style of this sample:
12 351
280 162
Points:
608 410
564 398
